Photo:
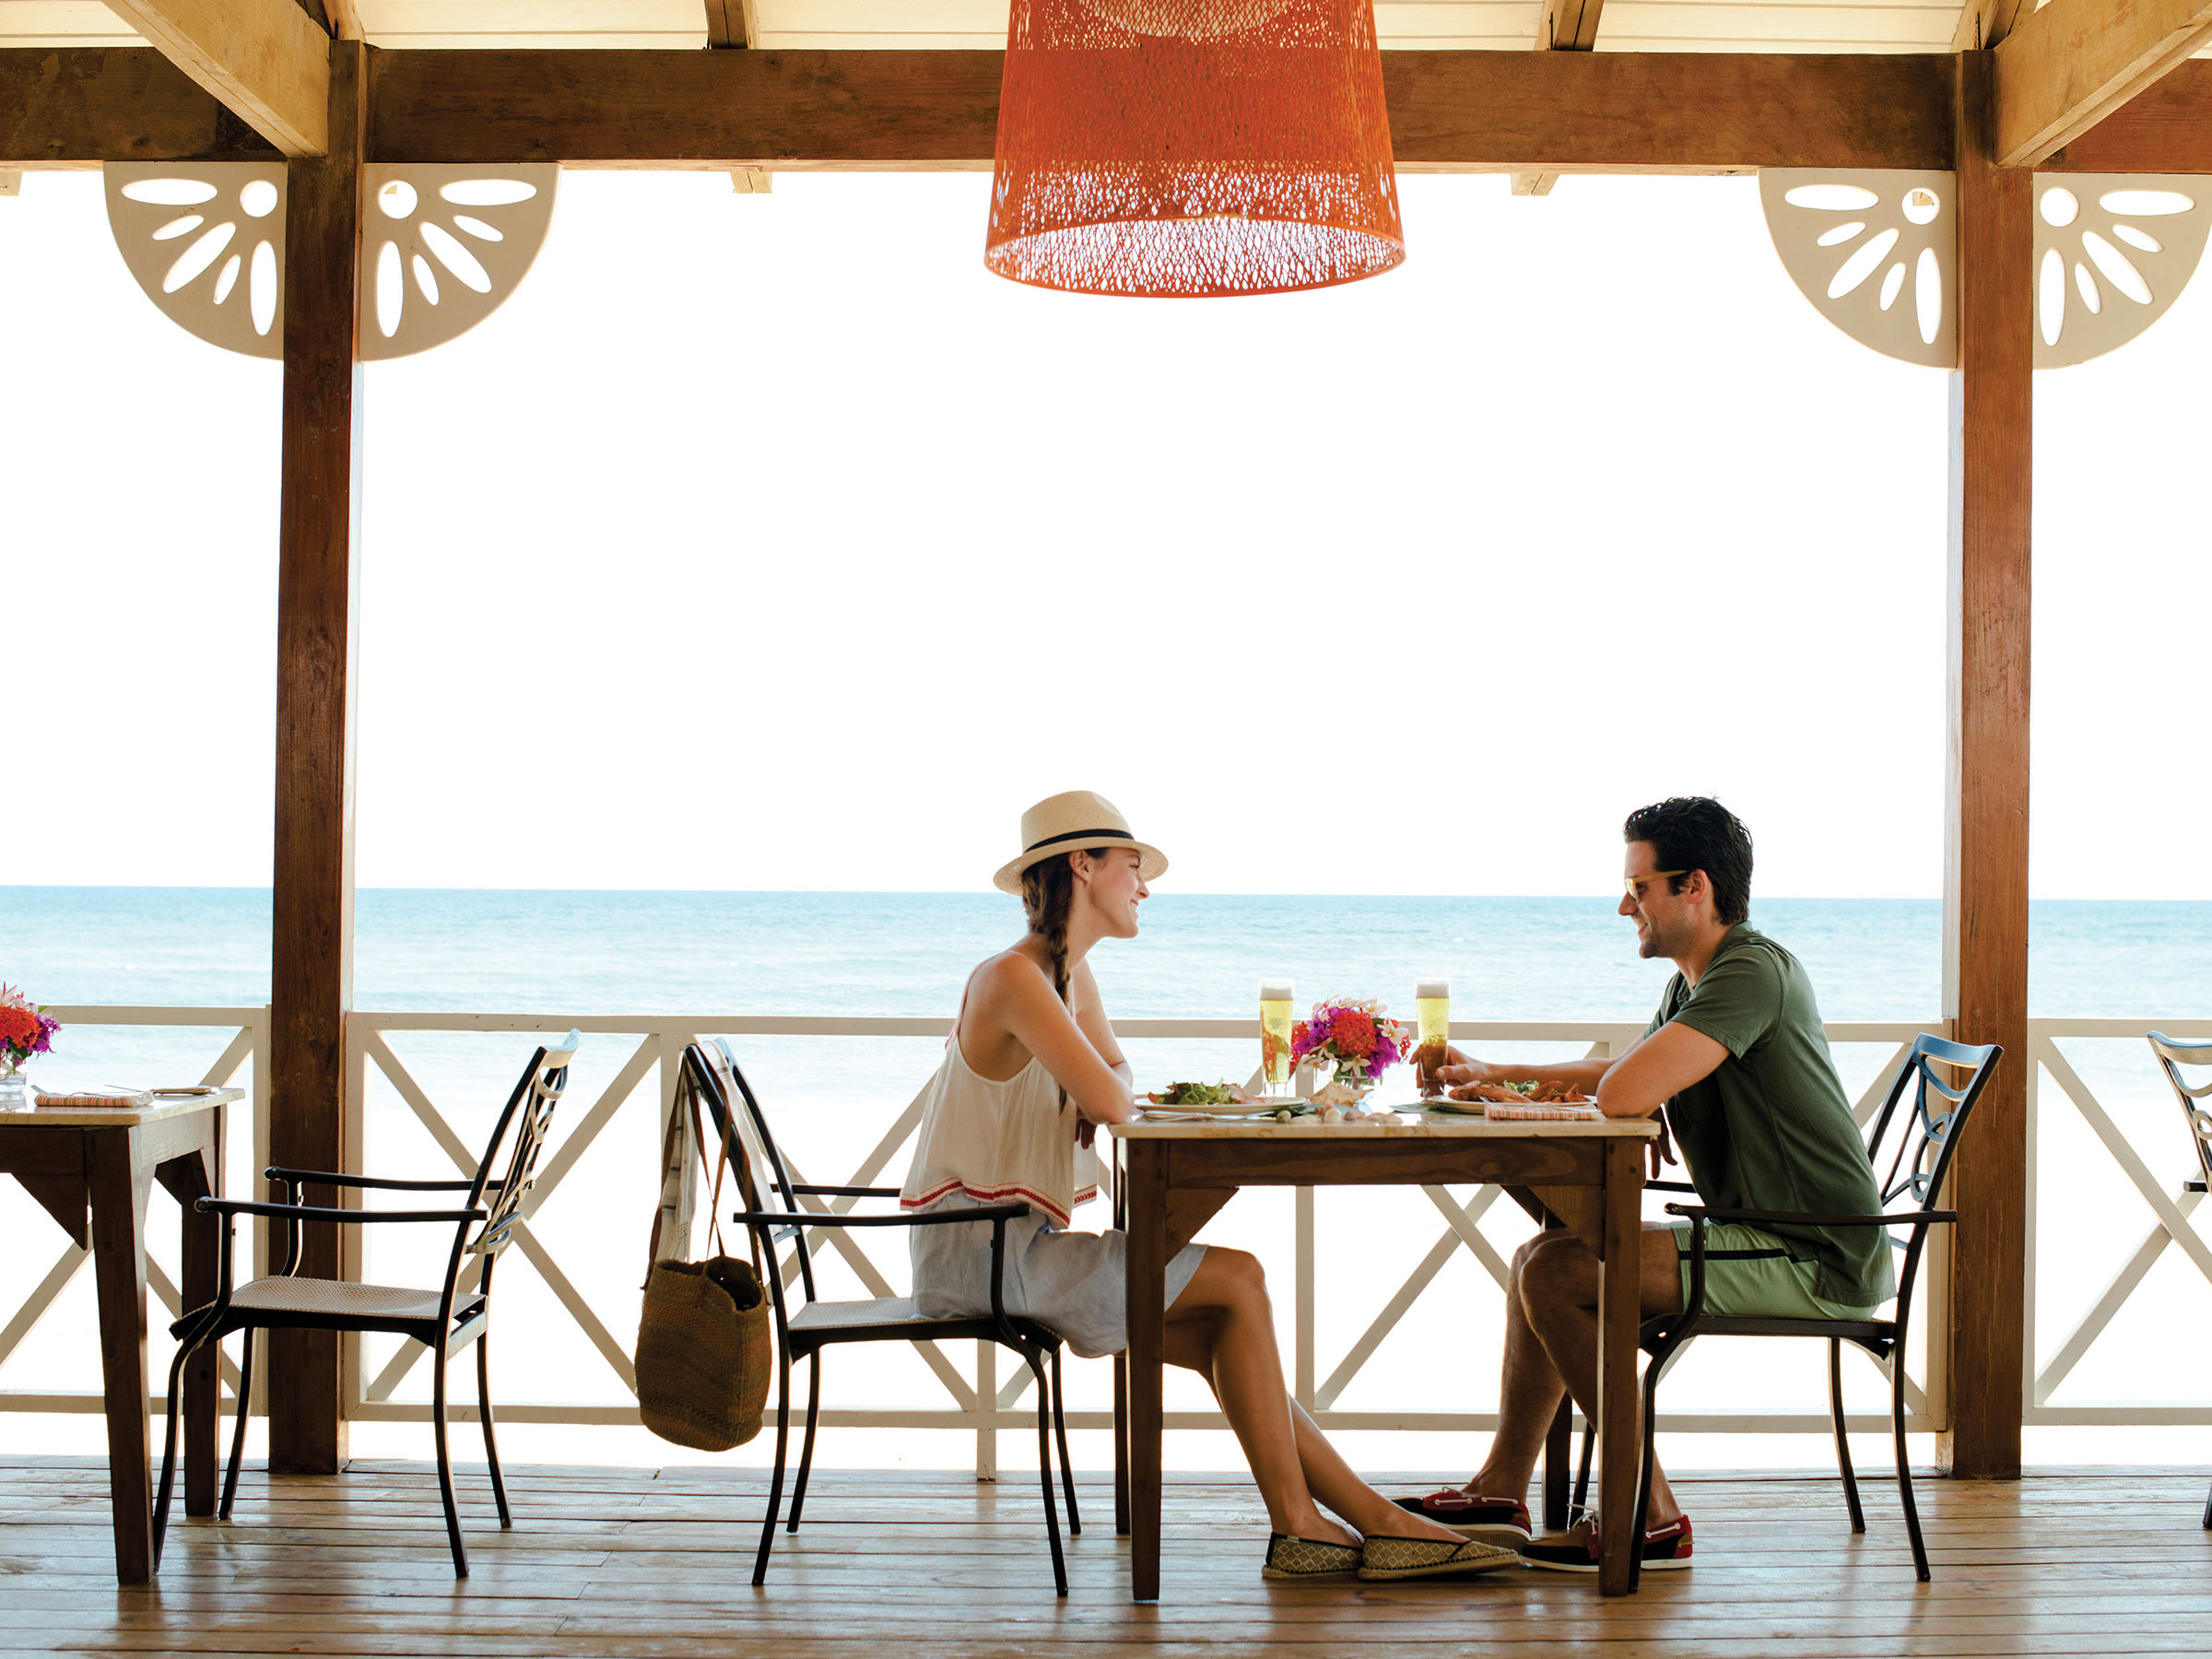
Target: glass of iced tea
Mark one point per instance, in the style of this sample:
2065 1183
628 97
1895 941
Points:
1432 1016
1274 1035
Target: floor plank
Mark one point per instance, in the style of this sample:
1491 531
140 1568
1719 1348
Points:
656 1563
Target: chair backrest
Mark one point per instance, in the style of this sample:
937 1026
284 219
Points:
529 1114
729 1106
2172 1056
1910 1149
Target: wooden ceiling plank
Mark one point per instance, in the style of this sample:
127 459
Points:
265 59
2066 67
79 106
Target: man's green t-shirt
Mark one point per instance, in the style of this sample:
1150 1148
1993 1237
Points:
1770 1129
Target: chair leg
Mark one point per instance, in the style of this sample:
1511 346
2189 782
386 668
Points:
1044 1468
237 1435
445 1465
775 1485
1067 1469
1581 1478
2209 1511
491 1445
1904 1468
814 1402
1558 1446
168 1447
1835 1413
1648 1467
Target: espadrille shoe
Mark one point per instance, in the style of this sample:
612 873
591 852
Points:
1387 1558
1309 1559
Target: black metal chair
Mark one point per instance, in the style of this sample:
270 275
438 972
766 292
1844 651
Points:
2172 1056
778 1218
445 1321
1919 1158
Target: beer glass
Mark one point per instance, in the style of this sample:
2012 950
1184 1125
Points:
1274 1036
1433 1014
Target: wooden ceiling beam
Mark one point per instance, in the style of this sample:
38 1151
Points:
732 25
1450 111
2166 129
1564 25
83 105
2066 67
1982 23
265 59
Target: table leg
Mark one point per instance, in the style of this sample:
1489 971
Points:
192 1177
1620 1445
1120 1385
119 1195
1145 1182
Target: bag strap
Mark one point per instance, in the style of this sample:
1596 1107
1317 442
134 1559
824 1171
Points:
731 1152
660 1212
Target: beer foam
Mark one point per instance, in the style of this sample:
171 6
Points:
1433 988
1274 990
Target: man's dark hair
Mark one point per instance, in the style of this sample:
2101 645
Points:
1693 832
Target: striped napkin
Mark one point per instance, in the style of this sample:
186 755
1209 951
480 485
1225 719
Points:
1500 1112
101 1097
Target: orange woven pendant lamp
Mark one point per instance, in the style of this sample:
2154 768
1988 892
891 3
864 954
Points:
1192 147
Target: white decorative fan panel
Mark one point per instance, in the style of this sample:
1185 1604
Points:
2112 251
1875 250
442 246
206 241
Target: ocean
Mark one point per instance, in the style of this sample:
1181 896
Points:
709 954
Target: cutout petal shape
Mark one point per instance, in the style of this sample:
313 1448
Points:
481 226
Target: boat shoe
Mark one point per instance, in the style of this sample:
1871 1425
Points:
1313 1559
1663 1548
1387 1558
1501 1521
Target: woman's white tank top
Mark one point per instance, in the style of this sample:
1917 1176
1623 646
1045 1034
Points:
998 1142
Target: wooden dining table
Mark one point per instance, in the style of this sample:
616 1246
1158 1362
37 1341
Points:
92 1169
1173 1175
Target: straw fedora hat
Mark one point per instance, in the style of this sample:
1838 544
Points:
1077 821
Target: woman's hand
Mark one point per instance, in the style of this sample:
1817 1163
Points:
1464 1068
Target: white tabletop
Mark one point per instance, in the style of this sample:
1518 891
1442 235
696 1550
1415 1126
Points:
1427 1127
114 1117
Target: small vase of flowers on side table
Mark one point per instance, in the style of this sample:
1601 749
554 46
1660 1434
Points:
26 1029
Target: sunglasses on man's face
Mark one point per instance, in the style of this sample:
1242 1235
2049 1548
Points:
1635 884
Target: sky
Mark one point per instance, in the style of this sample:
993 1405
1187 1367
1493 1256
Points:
769 542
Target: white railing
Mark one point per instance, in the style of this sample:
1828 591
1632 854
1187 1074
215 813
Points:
593 1288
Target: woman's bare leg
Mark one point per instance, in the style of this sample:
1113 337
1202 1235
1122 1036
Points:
1222 1327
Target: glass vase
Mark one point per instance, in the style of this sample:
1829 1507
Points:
15 1094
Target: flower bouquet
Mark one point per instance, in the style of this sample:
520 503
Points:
1353 1042
25 1029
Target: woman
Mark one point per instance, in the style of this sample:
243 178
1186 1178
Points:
1032 1066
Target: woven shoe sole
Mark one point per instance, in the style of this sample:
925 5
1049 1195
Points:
1387 1558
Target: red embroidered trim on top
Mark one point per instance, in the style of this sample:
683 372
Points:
984 1194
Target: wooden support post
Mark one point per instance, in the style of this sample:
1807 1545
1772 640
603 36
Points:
1986 879
318 587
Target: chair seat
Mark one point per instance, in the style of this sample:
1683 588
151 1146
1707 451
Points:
835 1321
333 1297
843 1316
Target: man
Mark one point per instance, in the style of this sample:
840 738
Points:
1737 1060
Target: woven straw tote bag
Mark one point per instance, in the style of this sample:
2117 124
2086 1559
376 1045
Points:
704 1350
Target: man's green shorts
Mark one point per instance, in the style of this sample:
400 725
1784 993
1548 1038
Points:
1750 1273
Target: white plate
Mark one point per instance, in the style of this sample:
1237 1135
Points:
1227 1109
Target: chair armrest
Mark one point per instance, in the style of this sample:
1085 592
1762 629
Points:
379 1182
1668 1186
1700 1213
989 1212
2193 1186
849 1192
302 1212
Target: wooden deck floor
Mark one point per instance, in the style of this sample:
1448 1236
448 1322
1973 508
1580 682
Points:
904 1566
